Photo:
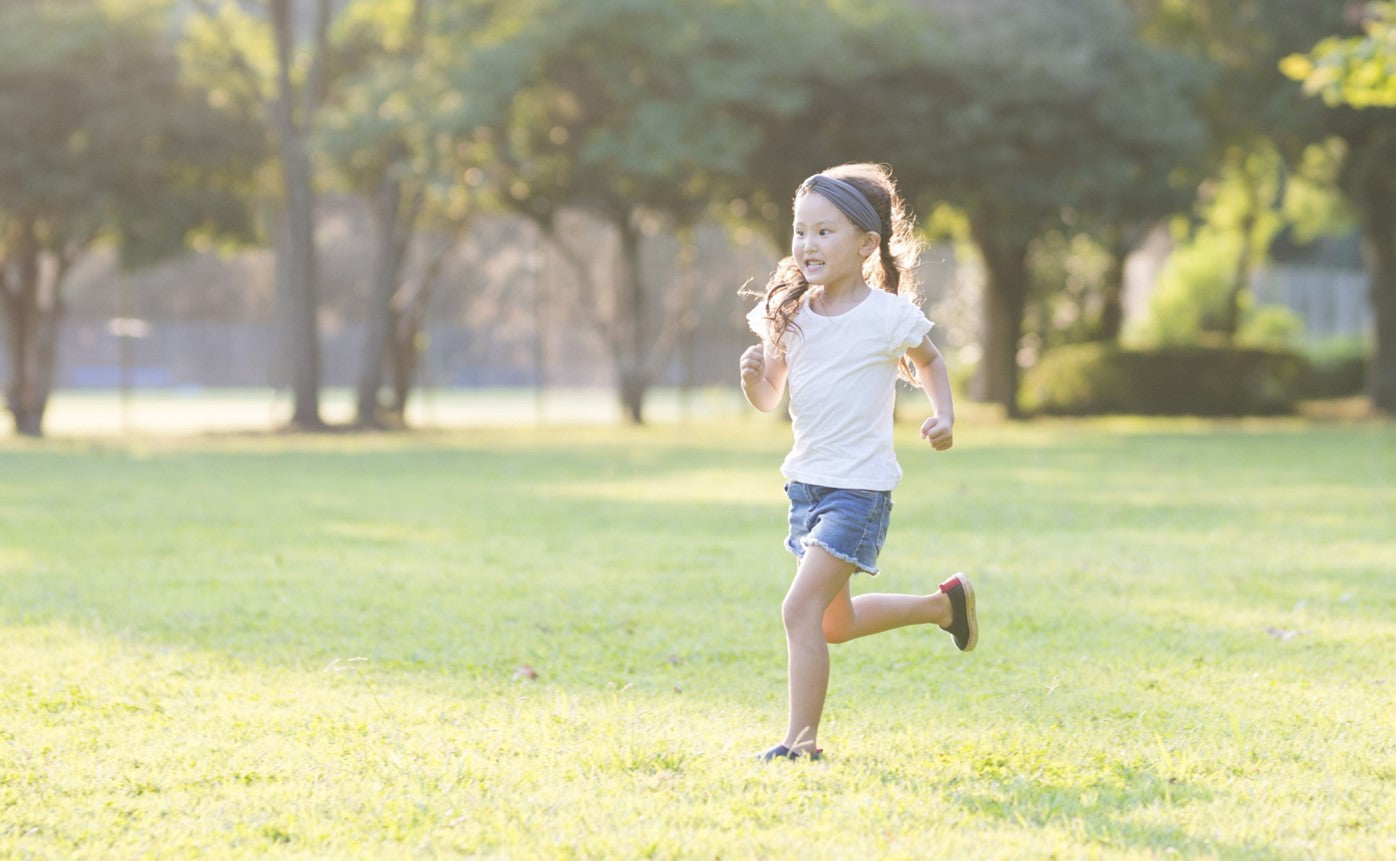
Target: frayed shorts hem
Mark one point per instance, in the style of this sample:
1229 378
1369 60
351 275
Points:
807 542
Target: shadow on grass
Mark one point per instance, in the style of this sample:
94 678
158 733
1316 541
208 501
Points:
1133 811
474 553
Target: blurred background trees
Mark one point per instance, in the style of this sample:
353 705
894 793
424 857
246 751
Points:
1046 117
100 143
642 115
617 165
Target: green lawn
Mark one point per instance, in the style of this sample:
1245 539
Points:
232 646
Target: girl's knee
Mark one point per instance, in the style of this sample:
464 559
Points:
790 615
836 631
800 617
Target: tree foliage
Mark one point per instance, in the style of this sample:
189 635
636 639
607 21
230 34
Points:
642 114
100 142
1023 115
1355 70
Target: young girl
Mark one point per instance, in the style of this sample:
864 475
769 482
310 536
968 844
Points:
837 322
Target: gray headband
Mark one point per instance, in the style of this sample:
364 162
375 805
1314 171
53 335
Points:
847 198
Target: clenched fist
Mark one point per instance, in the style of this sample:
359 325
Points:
939 432
753 365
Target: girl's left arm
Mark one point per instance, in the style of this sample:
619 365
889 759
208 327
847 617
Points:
939 429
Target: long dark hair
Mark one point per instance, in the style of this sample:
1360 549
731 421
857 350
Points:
893 270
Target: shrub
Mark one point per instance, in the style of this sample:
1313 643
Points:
1094 379
1269 327
1337 369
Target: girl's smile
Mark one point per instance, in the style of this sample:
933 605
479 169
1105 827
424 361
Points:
827 246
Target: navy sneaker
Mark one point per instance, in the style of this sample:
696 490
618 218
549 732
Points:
964 627
780 751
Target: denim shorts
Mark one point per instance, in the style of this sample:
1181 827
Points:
850 524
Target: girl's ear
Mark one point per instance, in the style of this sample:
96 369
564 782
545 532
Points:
871 243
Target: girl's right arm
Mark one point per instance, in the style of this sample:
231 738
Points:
763 378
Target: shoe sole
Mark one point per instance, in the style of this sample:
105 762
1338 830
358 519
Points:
970 617
780 751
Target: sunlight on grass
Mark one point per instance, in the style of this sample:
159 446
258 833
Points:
706 486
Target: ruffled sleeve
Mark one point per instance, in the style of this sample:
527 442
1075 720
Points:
756 319
909 327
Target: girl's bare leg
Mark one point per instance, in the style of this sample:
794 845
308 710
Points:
819 580
820 609
848 618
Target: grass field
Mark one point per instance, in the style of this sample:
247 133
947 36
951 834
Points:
315 646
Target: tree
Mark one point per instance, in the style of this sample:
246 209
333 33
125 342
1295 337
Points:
399 136
98 142
388 139
637 113
1361 72
1020 113
261 59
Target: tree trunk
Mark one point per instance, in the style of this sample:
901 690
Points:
1112 309
406 350
1240 278
629 345
686 324
1006 286
1381 245
1112 304
410 308
298 269
300 304
1371 186
393 223
406 305
1122 242
33 311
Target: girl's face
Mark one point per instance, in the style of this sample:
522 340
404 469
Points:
827 246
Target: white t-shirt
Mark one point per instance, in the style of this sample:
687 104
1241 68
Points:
843 376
